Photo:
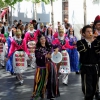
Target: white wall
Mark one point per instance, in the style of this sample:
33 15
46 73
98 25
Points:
76 15
25 11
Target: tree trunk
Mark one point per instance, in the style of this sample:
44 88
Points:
35 11
85 13
52 15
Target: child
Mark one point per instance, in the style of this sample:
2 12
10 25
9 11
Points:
18 47
73 54
87 48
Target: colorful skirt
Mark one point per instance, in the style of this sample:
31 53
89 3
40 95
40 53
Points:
46 81
53 82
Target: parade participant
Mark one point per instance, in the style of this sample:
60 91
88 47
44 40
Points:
31 39
49 35
9 63
64 66
41 29
96 29
2 50
73 54
19 48
89 63
56 34
46 71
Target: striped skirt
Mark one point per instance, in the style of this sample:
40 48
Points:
46 81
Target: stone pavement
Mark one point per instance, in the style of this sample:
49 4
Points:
10 91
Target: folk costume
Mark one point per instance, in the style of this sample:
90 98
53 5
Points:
46 73
64 66
73 54
41 29
2 50
89 53
31 39
19 48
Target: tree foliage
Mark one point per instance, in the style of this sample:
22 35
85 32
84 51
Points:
37 1
5 3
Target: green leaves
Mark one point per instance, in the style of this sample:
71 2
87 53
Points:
5 3
38 1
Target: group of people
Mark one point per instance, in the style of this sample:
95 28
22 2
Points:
33 44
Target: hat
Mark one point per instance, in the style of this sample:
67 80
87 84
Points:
31 25
97 19
18 32
41 24
61 30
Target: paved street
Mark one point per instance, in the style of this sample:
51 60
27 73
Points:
10 91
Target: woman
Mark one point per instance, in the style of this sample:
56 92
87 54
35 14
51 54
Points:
18 47
46 72
73 54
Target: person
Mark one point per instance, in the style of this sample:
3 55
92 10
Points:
49 35
87 48
2 50
96 29
73 54
64 65
46 71
31 39
19 48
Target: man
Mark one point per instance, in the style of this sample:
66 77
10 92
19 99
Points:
89 51
35 24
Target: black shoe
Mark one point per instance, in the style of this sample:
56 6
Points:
97 96
3 67
77 72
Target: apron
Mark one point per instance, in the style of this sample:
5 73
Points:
31 48
19 61
65 63
2 53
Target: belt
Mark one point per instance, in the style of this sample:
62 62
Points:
90 65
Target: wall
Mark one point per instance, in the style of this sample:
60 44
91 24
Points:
25 12
76 15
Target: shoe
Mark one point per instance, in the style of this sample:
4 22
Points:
97 97
31 98
3 67
77 72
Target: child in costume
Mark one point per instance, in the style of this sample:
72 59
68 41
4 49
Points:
63 44
89 50
2 50
19 48
46 71
31 39
73 54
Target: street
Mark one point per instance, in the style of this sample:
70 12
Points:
10 91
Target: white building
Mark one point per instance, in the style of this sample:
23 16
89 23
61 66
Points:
26 12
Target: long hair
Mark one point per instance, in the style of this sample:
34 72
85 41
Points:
48 33
69 33
38 44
